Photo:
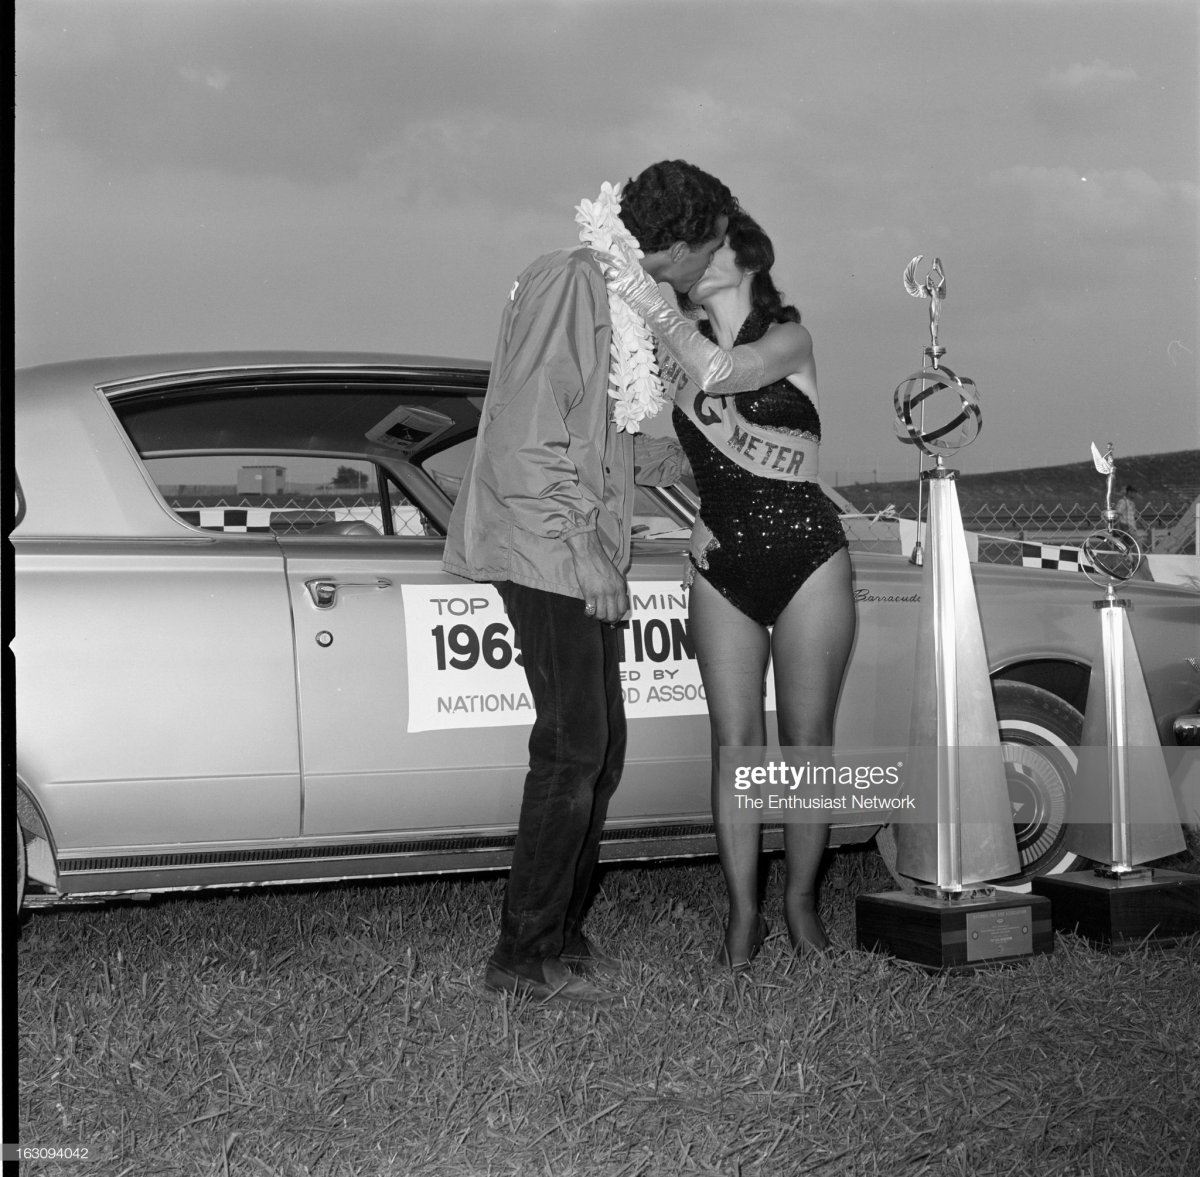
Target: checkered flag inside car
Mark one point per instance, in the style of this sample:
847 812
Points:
234 519
1054 556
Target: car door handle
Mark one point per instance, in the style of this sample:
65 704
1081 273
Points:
324 591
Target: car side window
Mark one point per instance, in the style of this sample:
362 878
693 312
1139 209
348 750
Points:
306 452
275 494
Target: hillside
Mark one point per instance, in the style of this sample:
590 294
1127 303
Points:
1165 482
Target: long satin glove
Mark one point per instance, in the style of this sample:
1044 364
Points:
717 371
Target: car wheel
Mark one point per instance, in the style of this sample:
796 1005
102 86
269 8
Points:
20 867
1039 739
1191 835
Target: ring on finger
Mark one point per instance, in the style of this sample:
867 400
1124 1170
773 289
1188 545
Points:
590 608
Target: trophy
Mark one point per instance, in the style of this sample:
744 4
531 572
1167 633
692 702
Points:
953 918
1122 813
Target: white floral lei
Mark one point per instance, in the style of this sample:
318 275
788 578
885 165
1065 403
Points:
633 380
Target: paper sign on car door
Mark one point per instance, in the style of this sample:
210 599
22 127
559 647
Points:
464 669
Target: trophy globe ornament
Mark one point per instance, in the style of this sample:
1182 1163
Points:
941 426
952 421
1110 556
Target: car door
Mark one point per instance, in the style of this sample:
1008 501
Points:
364 770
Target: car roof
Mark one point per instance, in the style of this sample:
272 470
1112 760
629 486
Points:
103 369
76 464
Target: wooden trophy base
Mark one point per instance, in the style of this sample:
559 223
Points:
1124 913
956 934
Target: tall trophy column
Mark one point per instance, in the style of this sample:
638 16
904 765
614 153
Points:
952 919
1122 813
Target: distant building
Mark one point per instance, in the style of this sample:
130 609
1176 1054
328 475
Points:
262 480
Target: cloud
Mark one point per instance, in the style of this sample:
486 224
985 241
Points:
1089 99
214 77
374 173
1076 245
1097 78
313 96
1101 201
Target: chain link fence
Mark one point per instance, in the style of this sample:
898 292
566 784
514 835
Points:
1166 528
295 514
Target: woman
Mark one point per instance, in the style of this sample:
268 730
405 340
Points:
770 561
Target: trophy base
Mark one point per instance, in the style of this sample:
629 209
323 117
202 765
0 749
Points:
955 934
1127 912
1129 875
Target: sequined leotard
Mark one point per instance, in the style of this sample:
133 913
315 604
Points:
770 535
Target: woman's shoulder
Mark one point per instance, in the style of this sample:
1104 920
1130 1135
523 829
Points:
788 336
788 329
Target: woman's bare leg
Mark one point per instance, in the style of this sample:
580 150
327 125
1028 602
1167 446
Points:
732 653
811 645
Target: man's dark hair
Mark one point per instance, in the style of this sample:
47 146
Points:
674 201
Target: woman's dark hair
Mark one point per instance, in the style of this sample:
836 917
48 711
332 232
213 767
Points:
752 249
674 201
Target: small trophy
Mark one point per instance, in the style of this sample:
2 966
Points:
1122 812
953 918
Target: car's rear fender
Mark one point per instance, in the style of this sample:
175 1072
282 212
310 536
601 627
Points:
40 851
1064 677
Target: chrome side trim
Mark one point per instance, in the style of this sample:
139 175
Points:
396 848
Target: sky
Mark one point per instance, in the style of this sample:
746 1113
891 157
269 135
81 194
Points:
371 175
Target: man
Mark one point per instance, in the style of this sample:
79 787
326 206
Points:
1127 513
545 512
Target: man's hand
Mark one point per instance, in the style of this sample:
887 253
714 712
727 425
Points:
599 581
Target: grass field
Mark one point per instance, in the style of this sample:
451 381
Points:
342 1031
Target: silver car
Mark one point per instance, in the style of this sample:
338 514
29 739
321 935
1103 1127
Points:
238 660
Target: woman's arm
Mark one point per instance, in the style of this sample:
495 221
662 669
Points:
786 348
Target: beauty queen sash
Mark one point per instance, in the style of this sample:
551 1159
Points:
766 452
